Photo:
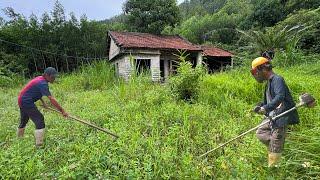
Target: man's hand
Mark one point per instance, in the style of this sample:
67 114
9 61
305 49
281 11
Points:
262 111
57 105
65 114
44 104
256 109
259 110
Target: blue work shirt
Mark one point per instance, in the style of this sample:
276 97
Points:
278 99
33 91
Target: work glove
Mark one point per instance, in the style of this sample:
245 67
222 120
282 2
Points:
256 109
259 109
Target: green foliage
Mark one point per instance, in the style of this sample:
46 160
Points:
11 69
285 39
52 33
97 75
11 81
185 85
151 16
12 64
293 57
218 27
191 8
310 38
160 138
266 13
294 5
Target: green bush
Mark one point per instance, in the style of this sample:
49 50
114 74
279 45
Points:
185 84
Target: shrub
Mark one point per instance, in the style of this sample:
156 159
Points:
185 84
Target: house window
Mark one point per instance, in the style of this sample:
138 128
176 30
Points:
142 65
173 66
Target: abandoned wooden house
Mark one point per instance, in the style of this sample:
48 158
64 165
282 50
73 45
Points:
158 54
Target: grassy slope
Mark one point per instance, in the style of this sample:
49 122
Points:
160 138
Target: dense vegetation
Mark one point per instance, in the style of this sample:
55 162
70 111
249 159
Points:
151 16
28 45
161 134
160 137
66 42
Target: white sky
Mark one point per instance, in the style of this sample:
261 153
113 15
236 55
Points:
94 9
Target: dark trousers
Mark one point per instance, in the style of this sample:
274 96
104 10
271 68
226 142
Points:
31 113
273 138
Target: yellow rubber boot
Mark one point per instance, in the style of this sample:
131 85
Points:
20 132
274 159
39 136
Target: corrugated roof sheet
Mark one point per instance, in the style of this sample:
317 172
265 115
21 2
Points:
213 51
144 40
151 41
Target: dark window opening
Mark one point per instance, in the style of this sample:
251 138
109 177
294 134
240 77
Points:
162 68
193 61
216 64
142 65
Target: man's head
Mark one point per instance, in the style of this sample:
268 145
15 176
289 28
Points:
261 68
50 74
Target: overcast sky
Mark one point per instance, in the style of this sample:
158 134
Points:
94 9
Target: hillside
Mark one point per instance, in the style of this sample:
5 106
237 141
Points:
159 136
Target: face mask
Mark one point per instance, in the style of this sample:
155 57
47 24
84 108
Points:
259 77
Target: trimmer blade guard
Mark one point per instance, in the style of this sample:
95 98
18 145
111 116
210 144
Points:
307 100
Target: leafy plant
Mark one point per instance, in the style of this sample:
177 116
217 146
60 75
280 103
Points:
185 84
283 42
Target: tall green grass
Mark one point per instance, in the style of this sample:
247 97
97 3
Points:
96 75
160 138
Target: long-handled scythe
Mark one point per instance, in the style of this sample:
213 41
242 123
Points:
305 100
85 122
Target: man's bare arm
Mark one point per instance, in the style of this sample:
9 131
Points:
57 105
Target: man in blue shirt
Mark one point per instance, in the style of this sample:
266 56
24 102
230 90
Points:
277 99
31 93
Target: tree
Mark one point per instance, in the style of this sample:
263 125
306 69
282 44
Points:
2 22
285 40
266 13
219 27
190 8
293 5
10 12
33 44
151 15
58 14
310 39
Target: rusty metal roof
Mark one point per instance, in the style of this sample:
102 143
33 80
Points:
216 52
151 41
144 40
